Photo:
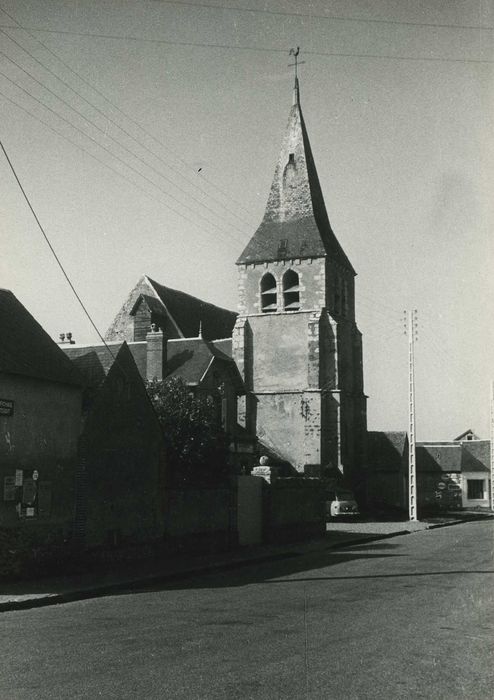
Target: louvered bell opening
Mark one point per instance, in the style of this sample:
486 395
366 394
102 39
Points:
292 301
269 305
268 294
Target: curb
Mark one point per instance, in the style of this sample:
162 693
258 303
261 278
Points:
100 591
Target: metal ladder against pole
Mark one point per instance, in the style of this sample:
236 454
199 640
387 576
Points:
412 467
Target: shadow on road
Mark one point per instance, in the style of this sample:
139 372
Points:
281 567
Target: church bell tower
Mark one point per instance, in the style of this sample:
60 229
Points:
296 341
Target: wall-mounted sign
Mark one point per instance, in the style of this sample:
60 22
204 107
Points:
6 407
19 476
441 485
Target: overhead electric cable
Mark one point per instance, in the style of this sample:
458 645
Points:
199 245
45 236
259 49
175 211
333 18
112 121
168 194
121 145
139 126
65 274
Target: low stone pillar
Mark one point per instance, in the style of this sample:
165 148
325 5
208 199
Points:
266 471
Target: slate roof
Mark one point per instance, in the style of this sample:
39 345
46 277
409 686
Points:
189 358
26 349
188 312
463 436
386 449
295 223
476 456
93 361
443 457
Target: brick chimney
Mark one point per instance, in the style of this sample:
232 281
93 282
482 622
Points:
156 353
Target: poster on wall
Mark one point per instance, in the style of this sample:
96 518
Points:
9 488
29 492
6 407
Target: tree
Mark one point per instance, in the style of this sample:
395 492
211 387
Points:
197 447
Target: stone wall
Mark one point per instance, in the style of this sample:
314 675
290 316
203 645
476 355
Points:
40 436
295 510
200 519
312 282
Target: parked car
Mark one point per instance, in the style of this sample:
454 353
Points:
341 503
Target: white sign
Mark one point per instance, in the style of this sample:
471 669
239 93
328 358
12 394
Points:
441 485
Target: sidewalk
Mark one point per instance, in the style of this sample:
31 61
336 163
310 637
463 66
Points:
50 591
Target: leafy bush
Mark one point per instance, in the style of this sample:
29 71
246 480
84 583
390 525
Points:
197 446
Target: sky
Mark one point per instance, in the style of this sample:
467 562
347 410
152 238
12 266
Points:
145 134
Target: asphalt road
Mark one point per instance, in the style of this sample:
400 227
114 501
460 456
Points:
408 617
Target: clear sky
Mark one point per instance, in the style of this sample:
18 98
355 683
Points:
399 109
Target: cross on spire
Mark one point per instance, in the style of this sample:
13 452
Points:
295 53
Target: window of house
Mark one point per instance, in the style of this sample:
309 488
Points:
475 489
269 302
291 291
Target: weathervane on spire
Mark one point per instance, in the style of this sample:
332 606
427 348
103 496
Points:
296 92
295 53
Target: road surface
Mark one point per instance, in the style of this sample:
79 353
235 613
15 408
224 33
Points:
407 617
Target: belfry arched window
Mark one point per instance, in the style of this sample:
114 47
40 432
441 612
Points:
291 291
268 294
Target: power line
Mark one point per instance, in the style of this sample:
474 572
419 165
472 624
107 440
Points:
99 92
334 18
259 49
128 150
171 208
45 236
226 235
65 274
168 194
200 246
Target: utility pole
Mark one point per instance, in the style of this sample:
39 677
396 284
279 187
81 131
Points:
491 490
410 322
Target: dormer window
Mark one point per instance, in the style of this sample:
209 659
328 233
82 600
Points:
283 247
269 302
291 291
291 159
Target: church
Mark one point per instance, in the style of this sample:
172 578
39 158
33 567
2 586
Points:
294 340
